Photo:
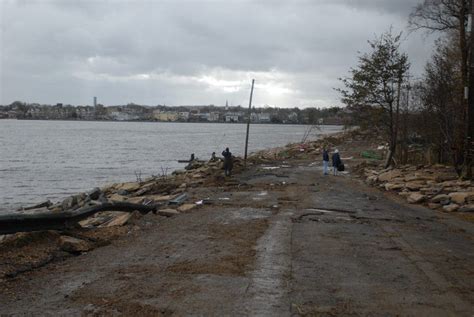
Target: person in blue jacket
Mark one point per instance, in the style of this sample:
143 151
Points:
325 161
336 161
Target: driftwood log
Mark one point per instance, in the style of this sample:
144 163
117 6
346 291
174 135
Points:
65 220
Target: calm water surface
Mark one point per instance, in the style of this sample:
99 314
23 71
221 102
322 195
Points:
52 159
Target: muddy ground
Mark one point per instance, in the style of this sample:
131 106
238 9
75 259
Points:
279 239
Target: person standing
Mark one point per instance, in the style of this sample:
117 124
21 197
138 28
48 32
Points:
325 161
336 161
227 162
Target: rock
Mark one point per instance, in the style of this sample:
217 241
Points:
460 197
416 198
404 194
470 198
91 222
440 198
433 191
136 200
392 186
467 208
451 207
95 193
446 177
167 212
118 198
160 198
186 208
143 191
464 183
387 176
73 245
371 179
119 220
434 206
418 177
129 187
415 186
123 192
69 202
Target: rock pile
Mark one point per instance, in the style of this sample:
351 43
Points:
155 191
436 186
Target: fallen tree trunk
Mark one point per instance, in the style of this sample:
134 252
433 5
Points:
13 223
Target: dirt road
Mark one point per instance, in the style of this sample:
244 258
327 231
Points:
279 241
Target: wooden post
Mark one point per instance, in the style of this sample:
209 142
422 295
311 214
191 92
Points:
248 123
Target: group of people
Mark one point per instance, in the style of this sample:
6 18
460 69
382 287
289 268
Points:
337 164
228 161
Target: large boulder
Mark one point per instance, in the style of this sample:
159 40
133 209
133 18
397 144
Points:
460 197
416 198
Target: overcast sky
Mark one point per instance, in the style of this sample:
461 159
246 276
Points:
188 52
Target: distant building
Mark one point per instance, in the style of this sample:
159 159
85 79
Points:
214 116
233 116
165 115
264 117
183 115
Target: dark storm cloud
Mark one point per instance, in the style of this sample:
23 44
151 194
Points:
189 51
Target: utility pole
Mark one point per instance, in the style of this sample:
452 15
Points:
470 100
248 123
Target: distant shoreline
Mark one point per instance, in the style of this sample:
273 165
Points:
153 121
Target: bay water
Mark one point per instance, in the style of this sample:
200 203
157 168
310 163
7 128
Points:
42 160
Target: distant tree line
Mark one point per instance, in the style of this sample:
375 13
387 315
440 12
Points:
423 120
135 112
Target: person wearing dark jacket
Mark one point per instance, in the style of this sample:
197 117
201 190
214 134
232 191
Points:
325 161
227 162
336 161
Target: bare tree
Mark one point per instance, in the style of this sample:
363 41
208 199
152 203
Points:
375 87
445 16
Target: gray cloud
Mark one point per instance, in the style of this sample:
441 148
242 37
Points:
190 52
